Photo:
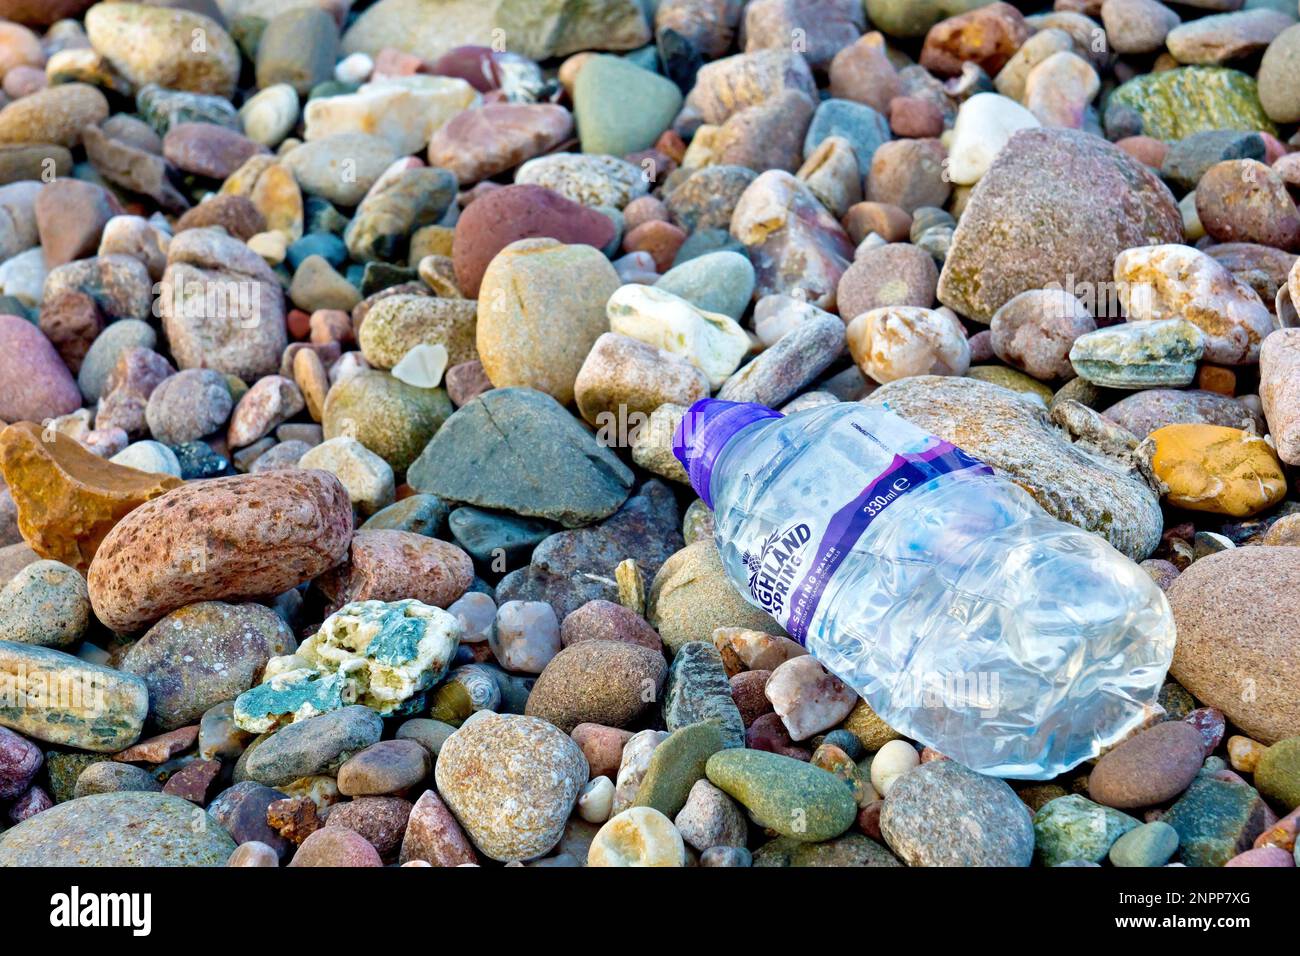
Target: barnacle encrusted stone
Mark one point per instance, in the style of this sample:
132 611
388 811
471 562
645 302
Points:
383 654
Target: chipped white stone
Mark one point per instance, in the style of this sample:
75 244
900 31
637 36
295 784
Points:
713 343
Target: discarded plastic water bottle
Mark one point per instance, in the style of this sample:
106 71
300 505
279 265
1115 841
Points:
966 616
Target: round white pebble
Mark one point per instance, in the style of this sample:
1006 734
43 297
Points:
891 762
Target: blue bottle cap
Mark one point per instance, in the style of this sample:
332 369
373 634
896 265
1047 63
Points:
705 430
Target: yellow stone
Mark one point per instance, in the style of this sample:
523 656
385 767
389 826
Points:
1222 470
865 724
1012 379
431 241
67 498
640 836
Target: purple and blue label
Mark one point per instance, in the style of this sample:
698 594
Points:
905 473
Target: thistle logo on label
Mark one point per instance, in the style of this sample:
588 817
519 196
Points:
772 571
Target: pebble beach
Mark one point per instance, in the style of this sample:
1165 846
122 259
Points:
342 349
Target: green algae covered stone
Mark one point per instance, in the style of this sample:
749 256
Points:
60 699
794 798
1278 773
1159 354
1216 820
676 764
1075 828
1172 104
383 654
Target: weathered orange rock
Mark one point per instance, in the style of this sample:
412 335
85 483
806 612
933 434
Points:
1222 470
388 565
68 499
224 539
160 748
989 36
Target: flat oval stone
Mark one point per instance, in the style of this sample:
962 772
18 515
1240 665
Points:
389 766
789 796
314 745
207 149
480 143
1151 767
117 829
600 682
1162 353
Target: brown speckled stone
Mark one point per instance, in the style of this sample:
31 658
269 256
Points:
433 835
1239 638
1056 204
602 746
225 538
512 782
381 820
1149 768
606 621
600 682
389 565
747 691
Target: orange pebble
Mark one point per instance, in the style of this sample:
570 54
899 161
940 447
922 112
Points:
1215 378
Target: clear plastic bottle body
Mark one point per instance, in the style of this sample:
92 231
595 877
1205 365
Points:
966 616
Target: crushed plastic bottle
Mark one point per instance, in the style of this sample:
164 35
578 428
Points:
965 615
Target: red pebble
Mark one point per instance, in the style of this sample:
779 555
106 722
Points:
1145 149
299 324
869 819
915 118
661 239
32 802
393 62
769 733
1212 725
